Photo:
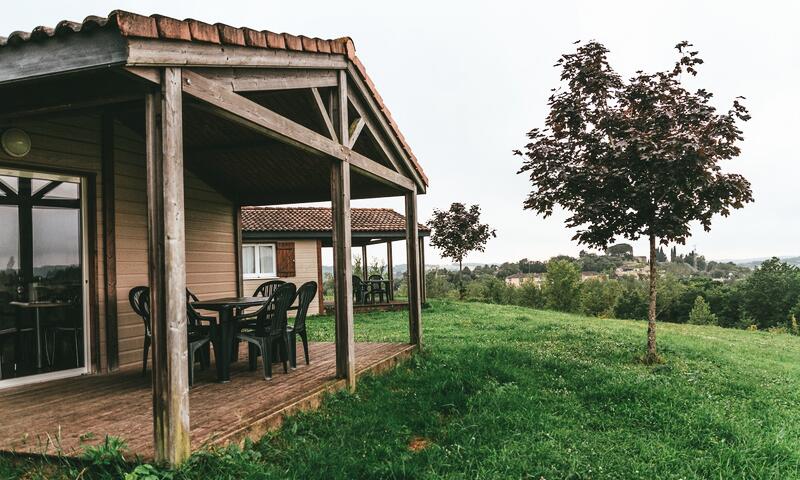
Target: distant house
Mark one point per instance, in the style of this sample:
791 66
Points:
285 243
593 276
631 270
518 279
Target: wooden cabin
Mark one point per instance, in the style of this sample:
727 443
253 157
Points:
129 145
285 243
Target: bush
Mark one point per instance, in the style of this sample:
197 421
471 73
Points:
701 313
632 302
530 295
598 297
562 286
769 294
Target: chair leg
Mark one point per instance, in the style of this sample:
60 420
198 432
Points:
144 355
285 352
266 358
293 348
191 365
252 356
304 337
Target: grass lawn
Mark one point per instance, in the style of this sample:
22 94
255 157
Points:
509 392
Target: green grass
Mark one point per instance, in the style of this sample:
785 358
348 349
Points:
509 392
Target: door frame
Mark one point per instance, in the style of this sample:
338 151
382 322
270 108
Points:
88 254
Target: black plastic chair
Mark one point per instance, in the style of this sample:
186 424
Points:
266 289
359 290
247 320
72 326
305 294
202 323
270 329
139 298
198 336
377 288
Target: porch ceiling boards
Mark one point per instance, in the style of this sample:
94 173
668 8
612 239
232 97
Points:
71 413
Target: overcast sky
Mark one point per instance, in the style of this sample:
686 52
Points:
465 81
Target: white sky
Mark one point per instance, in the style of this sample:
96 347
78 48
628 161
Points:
465 80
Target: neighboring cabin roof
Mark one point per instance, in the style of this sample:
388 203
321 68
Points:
318 219
166 28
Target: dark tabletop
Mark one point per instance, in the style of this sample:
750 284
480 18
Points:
229 302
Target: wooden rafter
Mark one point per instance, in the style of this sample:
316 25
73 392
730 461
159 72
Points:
323 114
147 52
266 79
220 100
358 84
374 130
355 130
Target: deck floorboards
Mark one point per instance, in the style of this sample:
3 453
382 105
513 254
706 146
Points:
65 415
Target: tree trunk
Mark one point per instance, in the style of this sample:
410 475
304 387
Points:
652 355
460 283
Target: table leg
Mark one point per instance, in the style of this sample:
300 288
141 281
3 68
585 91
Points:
38 341
224 343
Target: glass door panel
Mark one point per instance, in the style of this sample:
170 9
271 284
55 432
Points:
42 321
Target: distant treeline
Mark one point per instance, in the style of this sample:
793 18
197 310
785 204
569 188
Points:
721 294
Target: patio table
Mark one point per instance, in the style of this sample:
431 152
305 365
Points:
224 342
36 306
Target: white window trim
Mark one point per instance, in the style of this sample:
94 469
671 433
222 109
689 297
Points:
256 255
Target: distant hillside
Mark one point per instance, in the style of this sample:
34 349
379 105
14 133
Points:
754 262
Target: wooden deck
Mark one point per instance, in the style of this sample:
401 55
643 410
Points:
64 415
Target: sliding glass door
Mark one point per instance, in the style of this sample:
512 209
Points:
42 278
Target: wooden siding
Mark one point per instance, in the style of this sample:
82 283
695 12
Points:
210 243
72 145
305 261
68 145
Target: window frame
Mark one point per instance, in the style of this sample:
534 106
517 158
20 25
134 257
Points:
258 275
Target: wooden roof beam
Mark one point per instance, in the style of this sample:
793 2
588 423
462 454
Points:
359 84
151 52
268 79
323 114
222 101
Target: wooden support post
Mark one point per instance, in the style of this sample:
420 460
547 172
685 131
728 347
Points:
109 238
167 269
390 268
237 225
412 261
423 294
364 266
342 256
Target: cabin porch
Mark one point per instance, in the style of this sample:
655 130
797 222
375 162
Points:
120 404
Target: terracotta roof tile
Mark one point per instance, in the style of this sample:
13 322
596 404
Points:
158 26
318 219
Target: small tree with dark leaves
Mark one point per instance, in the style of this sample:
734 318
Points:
458 231
634 158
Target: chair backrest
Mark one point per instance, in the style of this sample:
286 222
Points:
305 294
266 289
140 302
376 277
192 315
273 315
357 283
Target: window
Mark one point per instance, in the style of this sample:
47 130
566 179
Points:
258 260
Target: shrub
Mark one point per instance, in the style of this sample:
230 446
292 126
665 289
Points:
701 313
769 294
530 295
562 286
598 297
632 302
